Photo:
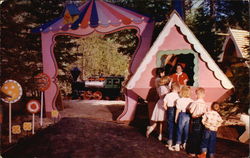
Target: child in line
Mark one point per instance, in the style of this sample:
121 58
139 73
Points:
183 117
212 121
158 115
169 105
196 109
160 72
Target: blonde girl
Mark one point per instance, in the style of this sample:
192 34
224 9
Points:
182 117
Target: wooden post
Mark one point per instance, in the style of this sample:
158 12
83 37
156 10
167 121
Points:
10 123
41 118
33 123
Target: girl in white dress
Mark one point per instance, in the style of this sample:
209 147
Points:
158 115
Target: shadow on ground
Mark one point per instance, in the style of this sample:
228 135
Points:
115 110
78 137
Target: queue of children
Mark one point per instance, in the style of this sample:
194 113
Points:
191 125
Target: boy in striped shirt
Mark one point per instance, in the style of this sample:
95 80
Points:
212 121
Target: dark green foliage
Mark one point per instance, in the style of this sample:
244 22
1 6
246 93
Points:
234 14
64 56
156 9
202 26
21 57
241 80
126 38
207 24
240 100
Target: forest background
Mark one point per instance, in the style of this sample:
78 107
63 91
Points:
21 57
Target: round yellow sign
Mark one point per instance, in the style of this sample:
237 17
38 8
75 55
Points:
12 89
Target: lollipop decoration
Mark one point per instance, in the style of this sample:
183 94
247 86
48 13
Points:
13 90
43 82
33 106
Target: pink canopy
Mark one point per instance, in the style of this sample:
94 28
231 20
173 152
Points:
92 16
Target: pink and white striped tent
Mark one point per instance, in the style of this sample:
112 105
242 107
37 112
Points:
176 39
93 16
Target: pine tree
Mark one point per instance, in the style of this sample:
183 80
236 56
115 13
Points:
21 57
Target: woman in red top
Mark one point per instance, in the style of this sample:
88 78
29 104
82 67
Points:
180 76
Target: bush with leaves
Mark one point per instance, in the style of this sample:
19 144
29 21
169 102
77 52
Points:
101 57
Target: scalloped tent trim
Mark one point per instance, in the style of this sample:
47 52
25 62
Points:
175 20
93 14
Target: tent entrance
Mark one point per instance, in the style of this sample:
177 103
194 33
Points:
99 59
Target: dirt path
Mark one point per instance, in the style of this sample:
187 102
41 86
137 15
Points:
96 109
88 130
80 138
